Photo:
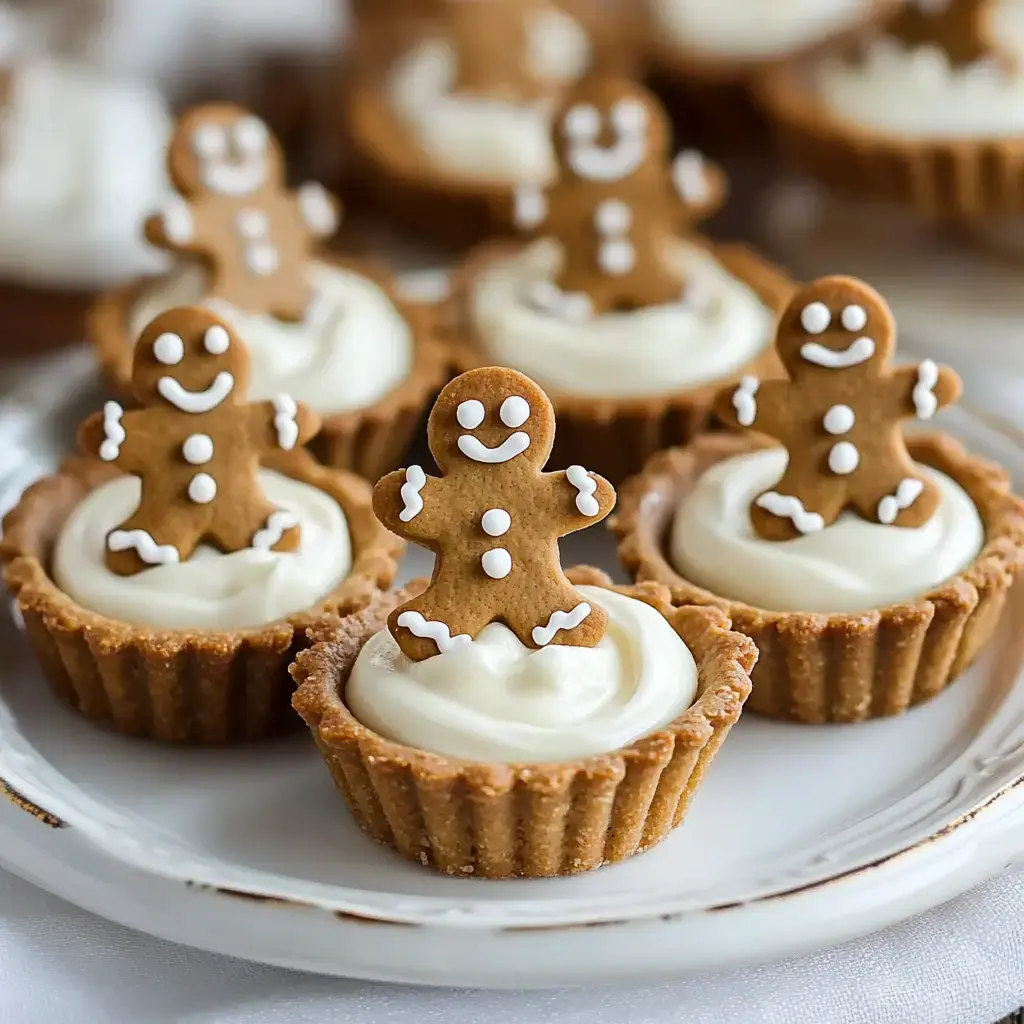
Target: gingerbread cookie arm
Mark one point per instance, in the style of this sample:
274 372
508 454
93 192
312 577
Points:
282 424
182 226
411 505
115 437
754 404
925 388
577 498
699 186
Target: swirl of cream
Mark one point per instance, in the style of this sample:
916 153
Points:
493 699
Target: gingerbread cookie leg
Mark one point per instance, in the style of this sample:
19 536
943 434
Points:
909 501
423 626
150 537
791 509
263 526
565 619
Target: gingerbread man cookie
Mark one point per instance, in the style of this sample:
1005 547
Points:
235 214
617 207
196 445
839 414
493 520
492 43
962 28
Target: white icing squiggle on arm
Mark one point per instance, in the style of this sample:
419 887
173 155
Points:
271 534
689 176
925 402
415 481
439 632
110 448
789 507
744 402
285 411
543 635
531 207
177 221
584 483
316 208
148 549
891 505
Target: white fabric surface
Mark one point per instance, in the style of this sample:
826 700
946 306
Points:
958 964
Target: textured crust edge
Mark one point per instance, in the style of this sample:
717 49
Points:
842 667
505 820
176 685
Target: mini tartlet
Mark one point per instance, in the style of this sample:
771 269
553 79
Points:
328 329
137 628
925 113
629 321
894 612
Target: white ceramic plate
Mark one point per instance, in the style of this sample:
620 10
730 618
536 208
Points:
799 838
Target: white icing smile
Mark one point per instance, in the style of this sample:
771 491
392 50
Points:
196 401
608 163
859 351
513 445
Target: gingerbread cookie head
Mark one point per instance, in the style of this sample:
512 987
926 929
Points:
223 149
609 130
493 418
187 358
836 323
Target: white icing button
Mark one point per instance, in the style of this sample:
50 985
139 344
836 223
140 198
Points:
169 349
470 414
252 223
843 458
815 318
616 257
515 411
496 522
497 563
839 419
216 340
202 488
198 449
613 217
854 318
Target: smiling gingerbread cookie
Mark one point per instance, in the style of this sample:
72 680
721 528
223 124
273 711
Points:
196 445
235 213
493 520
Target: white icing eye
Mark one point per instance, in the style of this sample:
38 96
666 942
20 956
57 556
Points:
515 411
854 318
496 522
216 340
169 349
197 449
251 135
582 123
613 217
470 414
815 318
630 117
209 141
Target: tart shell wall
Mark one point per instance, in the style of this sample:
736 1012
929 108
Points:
503 820
843 667
180 686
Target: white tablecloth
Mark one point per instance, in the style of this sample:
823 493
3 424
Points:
959 964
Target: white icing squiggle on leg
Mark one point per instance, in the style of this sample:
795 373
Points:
142 541
439 632
584 483
543 635
744 402
908 491
110 448
271 534
285 411
925 402
789 507
415 481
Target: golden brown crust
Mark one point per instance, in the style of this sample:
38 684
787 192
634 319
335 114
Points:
615 436
506 820
844 666
940 179
367 441
176 685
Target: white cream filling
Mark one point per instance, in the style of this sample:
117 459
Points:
620 355
850 566
478 136
210 591
915 93
494 699
352 349
81 165
753 28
